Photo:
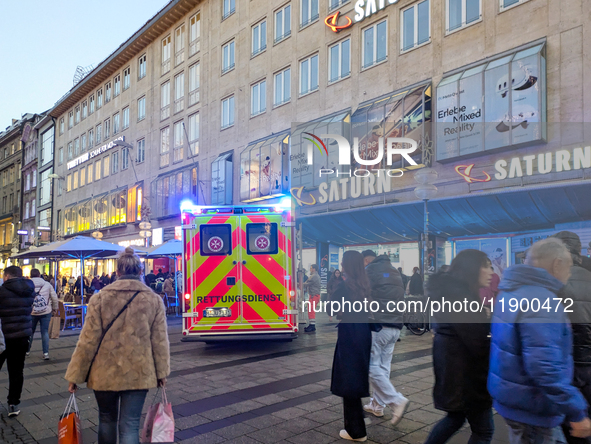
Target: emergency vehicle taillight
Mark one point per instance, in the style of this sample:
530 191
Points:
187 296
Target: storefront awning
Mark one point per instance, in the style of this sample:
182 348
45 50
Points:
531 209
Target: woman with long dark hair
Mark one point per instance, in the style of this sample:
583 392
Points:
350 367
461 351
332 285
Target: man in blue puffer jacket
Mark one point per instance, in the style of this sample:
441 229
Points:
531 363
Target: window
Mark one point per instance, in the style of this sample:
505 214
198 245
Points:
195 34
61 155
216 239
141 72
90 138
308 12
77 121
99 98
334 4
84 109
508 3
117 85
261 238
116 123
194 84
75 180
141 150
282 87
339 65
228 112
141 108
47 146
164 147
107 127
258 102
76 146
28 182
82 177
68 183
228 57
126 118
229 8
309 75
177 154
165 101
169 191
124 158
115 162
83 143
283 23
33 209
89 170
126 78
179 45
97 170
34 178
62 125
415 26
108 92
70 151
99 136
259 38
375 44
106 166
194 134
166 42
45 188
179 92
71 119
27 210
91 104
461 13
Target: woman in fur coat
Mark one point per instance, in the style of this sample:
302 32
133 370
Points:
133 357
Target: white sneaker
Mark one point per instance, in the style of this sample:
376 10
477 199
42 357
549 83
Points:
398 411
374 408
46 356
343 434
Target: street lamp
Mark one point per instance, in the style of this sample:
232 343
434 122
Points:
425 191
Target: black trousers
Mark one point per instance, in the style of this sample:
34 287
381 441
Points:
581 380
14 355
354 418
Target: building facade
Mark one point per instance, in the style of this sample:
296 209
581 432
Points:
218 102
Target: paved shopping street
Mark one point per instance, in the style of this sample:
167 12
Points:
255 392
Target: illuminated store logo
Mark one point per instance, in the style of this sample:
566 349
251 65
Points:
297 195
366 8
332 22
467 169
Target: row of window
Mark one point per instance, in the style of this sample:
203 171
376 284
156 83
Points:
30 209
31 180
179 92
180 135
10 174
10 150
180 37
8 202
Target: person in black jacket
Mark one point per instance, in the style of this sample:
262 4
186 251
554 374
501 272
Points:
415 287
404 278
332 284
461 350
16 304
350 367
386 287
578 288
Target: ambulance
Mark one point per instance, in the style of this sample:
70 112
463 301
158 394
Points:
239 272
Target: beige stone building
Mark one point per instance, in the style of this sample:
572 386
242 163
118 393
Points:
207 94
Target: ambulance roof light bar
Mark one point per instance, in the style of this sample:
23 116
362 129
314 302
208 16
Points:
188 207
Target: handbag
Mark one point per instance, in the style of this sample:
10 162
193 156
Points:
159 422
105 332
69 430
54 327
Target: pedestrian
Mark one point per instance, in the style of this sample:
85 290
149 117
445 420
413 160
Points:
386 289
16 302
415 284
460 351
160 275
332 284
76 289
105 279
64 281
133 357
113 277
45 306
350 367
150 278
531 361
168 287
578 289
313 287
403 277
488 295
96 284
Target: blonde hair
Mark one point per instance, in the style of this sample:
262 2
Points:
128 263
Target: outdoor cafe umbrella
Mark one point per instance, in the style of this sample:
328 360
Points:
171 249
77 247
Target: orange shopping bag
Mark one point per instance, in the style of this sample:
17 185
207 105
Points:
69 431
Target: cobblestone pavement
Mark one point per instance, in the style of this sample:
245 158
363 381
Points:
250 392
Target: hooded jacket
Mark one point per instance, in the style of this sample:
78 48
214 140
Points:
386 286
16 304
531 363
460 349
45 298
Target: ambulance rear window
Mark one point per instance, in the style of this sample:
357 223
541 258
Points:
261 238
216 239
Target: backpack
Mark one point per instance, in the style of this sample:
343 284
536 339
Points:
40 303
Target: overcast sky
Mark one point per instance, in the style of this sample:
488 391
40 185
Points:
42 42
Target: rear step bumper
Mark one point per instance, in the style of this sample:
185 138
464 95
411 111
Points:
240 337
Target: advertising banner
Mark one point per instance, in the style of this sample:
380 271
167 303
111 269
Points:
495 249
323 263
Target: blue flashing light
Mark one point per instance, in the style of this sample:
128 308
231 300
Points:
186 205
285 202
